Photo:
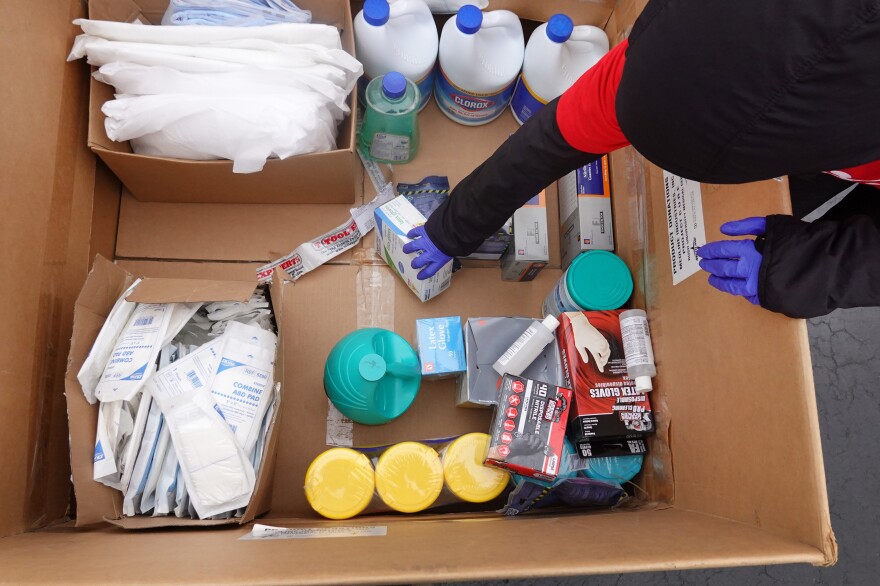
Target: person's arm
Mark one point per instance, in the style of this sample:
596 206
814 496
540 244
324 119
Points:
810 270
567 133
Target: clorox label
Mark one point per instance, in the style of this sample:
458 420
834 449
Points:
467 107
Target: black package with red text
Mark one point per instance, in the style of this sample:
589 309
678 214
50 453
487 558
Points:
528 430
608 416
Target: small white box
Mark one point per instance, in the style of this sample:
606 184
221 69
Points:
394 220
529 252
585 211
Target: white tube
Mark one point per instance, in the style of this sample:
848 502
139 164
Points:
637 348
527 347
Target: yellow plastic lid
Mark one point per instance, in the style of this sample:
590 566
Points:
340 483
409 477
465 474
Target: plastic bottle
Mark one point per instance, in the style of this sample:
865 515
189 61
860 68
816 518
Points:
465 474
400 37
409 477
637 348
595 280
523 352
340 483
558 53
480 57
390 133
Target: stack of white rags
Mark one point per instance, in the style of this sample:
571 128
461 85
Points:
220 92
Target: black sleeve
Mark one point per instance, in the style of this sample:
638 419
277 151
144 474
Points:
532 158
810 270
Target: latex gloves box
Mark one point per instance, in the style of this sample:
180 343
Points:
441 347
394 220
529 251
528 431
485 340
328 177
585 211
608 416
104 286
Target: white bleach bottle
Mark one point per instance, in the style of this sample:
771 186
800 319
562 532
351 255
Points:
480 57
558 53
400 36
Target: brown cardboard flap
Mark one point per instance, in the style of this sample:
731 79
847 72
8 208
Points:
436 549
191 290
142 522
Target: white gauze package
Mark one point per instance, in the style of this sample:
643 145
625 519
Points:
219 476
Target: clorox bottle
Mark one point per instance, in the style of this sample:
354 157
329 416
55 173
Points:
398 37
480 57
558 53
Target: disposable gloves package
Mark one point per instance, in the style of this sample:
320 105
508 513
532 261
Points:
186 395
221 92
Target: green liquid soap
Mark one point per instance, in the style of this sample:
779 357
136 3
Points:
390 133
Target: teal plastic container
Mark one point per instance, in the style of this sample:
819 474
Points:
595 280
390 133
565 470
372 376
616 469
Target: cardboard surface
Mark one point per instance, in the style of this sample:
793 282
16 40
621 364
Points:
331 177
739 493
222 231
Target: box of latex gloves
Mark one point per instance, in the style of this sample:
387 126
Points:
394 220
585 211
529 252
441 347
172 393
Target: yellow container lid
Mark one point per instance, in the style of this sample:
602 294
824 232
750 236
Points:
465 474
340 483
409 477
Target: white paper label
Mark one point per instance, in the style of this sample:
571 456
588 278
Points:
684 219
260 532
340 429
390 147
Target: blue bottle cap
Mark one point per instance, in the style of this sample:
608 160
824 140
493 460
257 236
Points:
376 12
559 28
393 85
469 19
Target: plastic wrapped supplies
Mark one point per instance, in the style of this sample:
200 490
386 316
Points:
234 12
221 92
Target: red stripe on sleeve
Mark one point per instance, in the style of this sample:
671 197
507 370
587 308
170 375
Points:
586 115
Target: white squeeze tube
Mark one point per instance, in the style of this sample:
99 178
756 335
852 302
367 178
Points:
637 348
523 352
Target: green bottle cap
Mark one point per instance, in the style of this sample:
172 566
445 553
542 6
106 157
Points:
599 280
372 376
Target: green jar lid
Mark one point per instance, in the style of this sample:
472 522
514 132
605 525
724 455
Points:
599 280
372 376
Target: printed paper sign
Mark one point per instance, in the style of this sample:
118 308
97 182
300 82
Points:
684 219
260 532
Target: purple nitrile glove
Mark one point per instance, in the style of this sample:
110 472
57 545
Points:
734 264
430 258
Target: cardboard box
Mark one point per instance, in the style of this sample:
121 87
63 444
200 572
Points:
331 177
105 283
394 220
762 506
440 344
530 250
485 340
529 428
585 210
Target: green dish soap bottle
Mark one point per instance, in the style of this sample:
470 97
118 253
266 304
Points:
390 133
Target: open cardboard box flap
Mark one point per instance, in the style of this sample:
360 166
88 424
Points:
734 387
105 283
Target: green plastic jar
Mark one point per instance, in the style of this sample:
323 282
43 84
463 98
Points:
596 280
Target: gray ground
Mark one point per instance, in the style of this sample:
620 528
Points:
846 363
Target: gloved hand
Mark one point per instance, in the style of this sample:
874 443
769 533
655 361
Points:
430 258
734 264
589 340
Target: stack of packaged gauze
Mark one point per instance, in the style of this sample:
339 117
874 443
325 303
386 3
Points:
221 92
186 392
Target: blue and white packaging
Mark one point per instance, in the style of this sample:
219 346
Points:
440 342
529 252
394 220
585 211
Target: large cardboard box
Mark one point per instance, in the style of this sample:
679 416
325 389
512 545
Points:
331 177
721 487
